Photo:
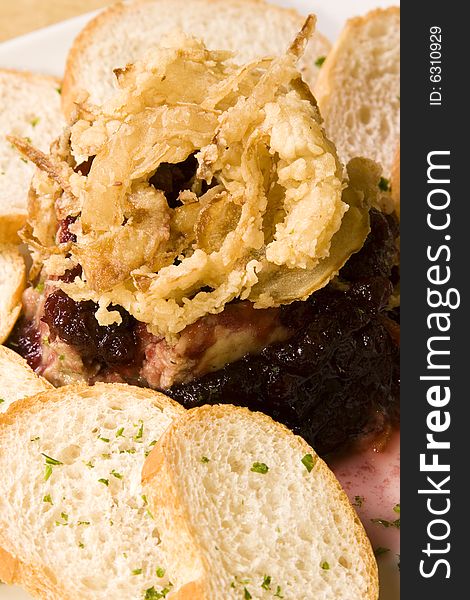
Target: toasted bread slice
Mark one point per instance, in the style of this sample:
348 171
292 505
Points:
122 33
12 284
29 108
17 379
244 504
358 88
72 515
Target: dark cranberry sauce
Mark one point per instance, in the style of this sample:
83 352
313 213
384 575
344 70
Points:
336 381
377 256
26 340
75 323
84 167
64 234
171 179
70 274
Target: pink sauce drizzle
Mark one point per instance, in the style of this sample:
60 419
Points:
375 477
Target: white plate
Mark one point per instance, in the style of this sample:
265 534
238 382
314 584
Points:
45 51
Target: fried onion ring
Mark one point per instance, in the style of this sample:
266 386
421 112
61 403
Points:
264 215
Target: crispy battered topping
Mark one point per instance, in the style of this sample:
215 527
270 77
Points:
263 217
335 382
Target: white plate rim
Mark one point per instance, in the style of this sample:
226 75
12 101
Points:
44 50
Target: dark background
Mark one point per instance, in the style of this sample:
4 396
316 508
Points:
423 129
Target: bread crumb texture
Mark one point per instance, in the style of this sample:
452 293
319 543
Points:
264 512
72 506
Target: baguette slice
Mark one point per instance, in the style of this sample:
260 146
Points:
358 88
81 529
12 284
29 107
244 504
17 379
123 32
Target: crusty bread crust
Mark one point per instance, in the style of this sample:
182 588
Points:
29 76
71 86
325 86
165 495
158 476
34 403
39 580
330 90
8 567
9 227
12 222
14 358
12 284
40 583
17 379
